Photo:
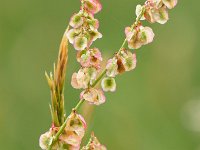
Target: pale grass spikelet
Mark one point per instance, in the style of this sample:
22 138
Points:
56 83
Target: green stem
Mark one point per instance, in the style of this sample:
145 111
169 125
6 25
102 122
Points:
56 137
79 104
99 78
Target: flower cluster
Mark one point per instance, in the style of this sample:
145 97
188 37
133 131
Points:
90 58
84 26
71 137
121 62
83 32
74 131
157 10
82 35
136 36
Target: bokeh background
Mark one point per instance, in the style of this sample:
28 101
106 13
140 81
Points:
156 107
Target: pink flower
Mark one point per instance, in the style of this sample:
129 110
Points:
94 144
76 20
46 139
156 12
112 67
83 78
170 3
93 96
138 36
74 131
71 138
92 6
90 58
128 60
80 43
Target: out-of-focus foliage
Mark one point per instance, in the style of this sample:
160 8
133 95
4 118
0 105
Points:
150 109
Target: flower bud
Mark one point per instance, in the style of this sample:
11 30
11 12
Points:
92 6
111 67
76 20
108 84
80 43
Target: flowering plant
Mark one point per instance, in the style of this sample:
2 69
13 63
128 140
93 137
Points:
66 133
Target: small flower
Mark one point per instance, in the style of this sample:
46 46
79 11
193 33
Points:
161 15
170 3
128 60
76 20
92 6
93 35
92 22
90 58
74 131
93 96
46 139
71 138
71 34
145 35
112 67
77 124
156 12
83 78
94 144
80 43
140 36
108 84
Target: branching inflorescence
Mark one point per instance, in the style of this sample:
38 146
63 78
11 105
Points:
66 133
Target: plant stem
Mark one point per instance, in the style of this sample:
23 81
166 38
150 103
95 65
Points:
99 78
56 137
79 104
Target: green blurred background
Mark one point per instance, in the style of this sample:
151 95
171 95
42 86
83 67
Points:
156 107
